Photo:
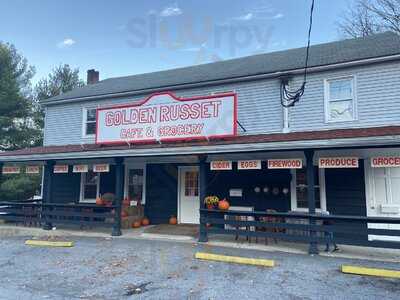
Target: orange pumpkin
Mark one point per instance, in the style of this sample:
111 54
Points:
173 220
99 201
136 224
145 221
124 214
126 202
223 204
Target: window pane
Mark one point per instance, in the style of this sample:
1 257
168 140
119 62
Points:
302 198
301 188
340 89
191 183
90 192
90 187
91 115
135 184
91 128
91 178
341 110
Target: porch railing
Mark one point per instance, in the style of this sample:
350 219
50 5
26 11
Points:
39 214
303 227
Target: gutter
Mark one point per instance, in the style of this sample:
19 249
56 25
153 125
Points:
228 80
214 149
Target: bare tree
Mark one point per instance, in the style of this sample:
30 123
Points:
366 17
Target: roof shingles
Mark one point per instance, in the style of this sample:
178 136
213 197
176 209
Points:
246 139
379 45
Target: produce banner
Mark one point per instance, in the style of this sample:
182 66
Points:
164 117
385 162
338 162
11 170
289 163
221 165
60 169
249 164
101 168
80 169
32 170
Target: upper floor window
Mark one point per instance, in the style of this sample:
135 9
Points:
340 99
89 121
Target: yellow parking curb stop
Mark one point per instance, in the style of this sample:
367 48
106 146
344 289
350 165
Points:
370 271
48 243
236 259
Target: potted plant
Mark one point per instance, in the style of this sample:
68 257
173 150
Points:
211 201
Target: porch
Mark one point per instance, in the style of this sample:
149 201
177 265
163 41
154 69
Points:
266 204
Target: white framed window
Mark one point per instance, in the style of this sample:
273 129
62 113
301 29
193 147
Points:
89 122
90 187
135 183
299 187
340 99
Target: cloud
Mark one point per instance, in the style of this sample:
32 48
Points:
278 16
68 42
195 49
246 17
171 11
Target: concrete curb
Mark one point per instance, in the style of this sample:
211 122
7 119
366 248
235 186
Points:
235 259
370 271
48 243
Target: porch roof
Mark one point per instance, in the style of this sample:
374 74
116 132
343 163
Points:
338 138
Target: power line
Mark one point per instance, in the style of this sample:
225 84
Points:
290 98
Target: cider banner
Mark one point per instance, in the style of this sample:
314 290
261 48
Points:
164 117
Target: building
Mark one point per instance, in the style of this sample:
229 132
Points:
165 140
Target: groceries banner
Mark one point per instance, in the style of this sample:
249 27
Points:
385 162
163 117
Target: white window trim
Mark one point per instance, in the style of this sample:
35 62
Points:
84 121
286 125
81 194
135 166
326 98
322 191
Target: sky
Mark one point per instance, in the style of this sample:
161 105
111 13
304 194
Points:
123 37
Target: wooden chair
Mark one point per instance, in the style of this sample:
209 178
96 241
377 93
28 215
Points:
241 218
270 219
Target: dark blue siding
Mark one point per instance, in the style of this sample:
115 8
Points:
161 192
66 187
220 182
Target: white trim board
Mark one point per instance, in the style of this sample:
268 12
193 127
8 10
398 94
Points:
213 149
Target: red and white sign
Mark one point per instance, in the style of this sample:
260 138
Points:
80 169
101 168
32 170
289 163
11 170
338 162
249 164
60 169
165 117
385 162
221 165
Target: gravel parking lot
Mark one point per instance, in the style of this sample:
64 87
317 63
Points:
98 268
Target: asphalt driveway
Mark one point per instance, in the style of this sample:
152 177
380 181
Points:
98 268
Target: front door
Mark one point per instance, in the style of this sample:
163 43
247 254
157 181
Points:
188 200
384 198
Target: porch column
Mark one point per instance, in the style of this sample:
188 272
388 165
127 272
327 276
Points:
202 194
1 172
309 154
119 194
47 190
